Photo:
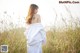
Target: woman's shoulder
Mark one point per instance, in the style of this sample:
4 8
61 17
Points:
36 15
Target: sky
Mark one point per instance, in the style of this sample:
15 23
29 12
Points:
17 11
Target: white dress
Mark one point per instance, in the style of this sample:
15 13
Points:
36 36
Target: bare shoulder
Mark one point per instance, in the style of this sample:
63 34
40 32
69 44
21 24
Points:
37 16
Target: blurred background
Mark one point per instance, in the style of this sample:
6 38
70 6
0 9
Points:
61 22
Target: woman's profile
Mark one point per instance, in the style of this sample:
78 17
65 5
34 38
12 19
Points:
35 33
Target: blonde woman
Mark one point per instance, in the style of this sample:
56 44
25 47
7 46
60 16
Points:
35 33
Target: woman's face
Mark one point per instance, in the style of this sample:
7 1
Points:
35 11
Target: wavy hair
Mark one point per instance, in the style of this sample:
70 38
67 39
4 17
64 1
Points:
31 13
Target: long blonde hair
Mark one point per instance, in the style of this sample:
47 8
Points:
31 13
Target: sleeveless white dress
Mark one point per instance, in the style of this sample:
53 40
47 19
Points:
36 36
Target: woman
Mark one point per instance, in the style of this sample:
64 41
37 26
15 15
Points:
35 34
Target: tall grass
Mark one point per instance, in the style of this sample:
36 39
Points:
63 41
67 41
15 40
